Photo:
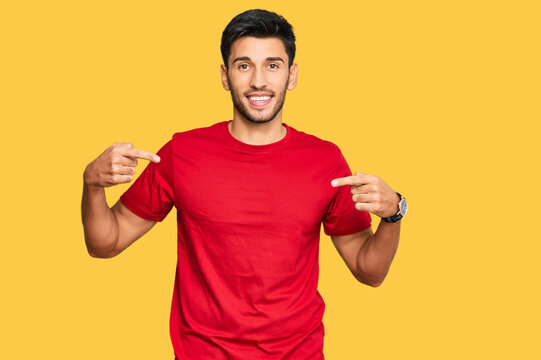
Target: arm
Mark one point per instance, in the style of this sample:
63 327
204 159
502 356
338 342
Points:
369 255
108 231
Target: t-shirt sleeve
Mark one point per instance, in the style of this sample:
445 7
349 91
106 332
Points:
341 216
151 195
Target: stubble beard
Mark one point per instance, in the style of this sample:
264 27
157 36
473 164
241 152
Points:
243 109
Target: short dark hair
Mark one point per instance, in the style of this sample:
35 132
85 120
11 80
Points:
258 23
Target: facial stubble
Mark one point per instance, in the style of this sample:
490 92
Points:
242 108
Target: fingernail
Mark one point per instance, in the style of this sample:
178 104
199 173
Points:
334 183
157 158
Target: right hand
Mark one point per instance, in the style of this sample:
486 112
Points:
116 165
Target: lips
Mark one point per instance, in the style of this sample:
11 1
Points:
259 99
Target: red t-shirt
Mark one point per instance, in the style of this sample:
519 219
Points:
249 221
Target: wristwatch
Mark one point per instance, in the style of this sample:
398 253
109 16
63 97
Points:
402 210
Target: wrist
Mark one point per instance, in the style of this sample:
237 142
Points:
395 208
87 183
402 208
92 189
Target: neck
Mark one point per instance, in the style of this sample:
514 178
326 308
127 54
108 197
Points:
257 133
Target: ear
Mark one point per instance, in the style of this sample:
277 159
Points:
293 72
223 72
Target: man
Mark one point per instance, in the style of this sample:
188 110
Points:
251 195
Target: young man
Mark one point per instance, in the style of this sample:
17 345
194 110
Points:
251 195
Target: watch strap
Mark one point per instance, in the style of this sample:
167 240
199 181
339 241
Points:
394 218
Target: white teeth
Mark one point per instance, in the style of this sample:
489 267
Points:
259 98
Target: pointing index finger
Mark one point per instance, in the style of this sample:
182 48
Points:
142 154
349 180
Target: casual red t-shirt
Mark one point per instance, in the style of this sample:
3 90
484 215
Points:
249 221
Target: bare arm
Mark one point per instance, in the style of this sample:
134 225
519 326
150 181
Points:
369 255
108 231
349 246
375 257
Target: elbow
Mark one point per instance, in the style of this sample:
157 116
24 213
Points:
375 283
101 254
372 275
371 280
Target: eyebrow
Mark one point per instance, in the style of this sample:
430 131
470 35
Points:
272 58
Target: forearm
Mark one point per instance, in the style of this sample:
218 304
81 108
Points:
375 256
99 222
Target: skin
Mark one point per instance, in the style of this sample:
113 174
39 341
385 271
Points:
108 231
369 255
258 65
255 65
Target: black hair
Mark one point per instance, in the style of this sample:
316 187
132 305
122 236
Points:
258 23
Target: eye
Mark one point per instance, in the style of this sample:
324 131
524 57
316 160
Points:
243 66
274 66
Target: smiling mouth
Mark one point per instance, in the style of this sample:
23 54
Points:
259 100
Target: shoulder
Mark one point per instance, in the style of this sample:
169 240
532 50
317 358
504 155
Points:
185 138
320 147
203 130
200 134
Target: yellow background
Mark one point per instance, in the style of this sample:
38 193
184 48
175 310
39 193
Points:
441 99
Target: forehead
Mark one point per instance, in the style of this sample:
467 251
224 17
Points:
258 49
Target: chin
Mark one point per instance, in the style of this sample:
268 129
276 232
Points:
258 117
263 120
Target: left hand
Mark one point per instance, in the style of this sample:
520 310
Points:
371 194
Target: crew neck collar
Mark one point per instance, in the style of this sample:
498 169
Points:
254 148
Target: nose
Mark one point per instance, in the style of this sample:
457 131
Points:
258 80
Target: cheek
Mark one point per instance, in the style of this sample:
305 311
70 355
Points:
284 80
239 84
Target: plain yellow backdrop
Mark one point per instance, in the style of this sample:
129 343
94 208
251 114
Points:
441 99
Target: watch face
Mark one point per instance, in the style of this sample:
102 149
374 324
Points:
403 207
